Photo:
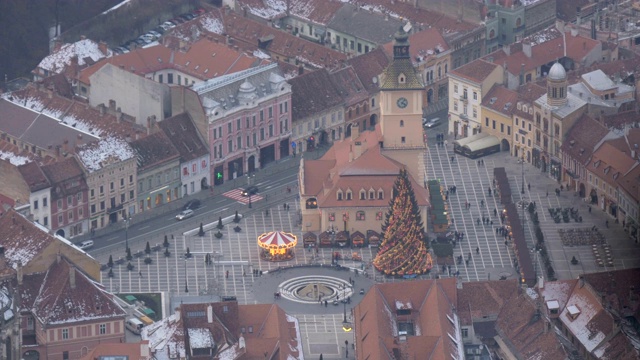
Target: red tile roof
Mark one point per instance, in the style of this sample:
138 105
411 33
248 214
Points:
528 333
281 44
368 66
609 162
66 295
184 136
501 100
137 351
475 71
527 95
22 240
582 138
483 299
312 93
154 150
423 45
547 46
34 176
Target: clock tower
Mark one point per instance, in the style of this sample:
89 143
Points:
401 99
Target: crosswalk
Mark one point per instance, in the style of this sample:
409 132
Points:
236 194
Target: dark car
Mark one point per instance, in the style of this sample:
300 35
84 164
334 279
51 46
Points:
251 190
191 204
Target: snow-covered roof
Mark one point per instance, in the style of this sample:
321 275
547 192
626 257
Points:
553 305
272 9
15 160
200 338
212 24
165 336
85 48
298 339
580 318
107 151
403 306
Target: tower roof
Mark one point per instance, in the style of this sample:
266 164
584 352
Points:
557 72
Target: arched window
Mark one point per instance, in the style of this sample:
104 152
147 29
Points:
439 72
492 34
518 22
446 68
311 203
372 195
380 194
349 195
401 123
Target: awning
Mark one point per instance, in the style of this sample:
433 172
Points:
484 143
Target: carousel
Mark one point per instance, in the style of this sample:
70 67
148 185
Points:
277 245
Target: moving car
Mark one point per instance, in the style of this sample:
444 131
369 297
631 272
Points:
191 204
185 214
251 190
431 123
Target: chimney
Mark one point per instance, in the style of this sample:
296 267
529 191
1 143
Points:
177 314
526 49
357 149
103 47
144 349
19 272
300 69
82 37
210 314
72 277
103 109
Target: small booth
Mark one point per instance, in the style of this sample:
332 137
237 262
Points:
310 240
342 239
357 239
373 238
277 245
325 239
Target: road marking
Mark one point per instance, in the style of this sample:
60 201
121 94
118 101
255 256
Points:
144 227
112 238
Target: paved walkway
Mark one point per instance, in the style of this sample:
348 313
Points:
236 255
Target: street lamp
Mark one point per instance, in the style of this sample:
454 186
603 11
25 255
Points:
126 233
248 188
522 163
346 326
186 284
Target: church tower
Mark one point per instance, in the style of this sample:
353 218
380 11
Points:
557 86
401 99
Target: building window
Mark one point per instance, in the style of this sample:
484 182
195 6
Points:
35 204
455 88
401 123
403 139
486 122
45 203
170 78
455 105
508 130
339 195
379 216
493 124
360 216
65 334
363 195
475 95
475 112
332 217
103 329
372 195
501 128
60 219
465 333
349 195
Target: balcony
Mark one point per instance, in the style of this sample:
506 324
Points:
113 209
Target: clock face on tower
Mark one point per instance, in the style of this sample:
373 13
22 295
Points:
402 103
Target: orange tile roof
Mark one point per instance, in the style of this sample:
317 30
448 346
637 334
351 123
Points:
582 138
432 306
371 170
132 350
482 299
203 60
609 162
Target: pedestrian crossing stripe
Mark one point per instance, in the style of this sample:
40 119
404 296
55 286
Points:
236 194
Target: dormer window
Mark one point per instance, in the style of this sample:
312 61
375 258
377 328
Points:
363 195
349 195
597 163
401 79
339 194
380 194
372 195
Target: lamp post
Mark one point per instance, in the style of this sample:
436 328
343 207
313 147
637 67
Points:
126 233
186 284
248 186
522 163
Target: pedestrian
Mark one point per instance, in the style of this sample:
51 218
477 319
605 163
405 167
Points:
589 209
606 223
452 221
506 243
495 212
478 221
529 186
477 250
284 206
547 193
140 273
445 143
226 275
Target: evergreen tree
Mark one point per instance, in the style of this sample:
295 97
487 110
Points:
403 250
129 257
110 263
166 242
147 249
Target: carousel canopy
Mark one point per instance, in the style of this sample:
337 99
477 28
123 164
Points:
277 240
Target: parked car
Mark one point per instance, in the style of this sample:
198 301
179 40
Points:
186 17
85 245
168 25
185 214
191 204
199 12
177 21
431 123
251 190
159 29
154 33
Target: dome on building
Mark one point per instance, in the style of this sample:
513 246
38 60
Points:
557 72
247 91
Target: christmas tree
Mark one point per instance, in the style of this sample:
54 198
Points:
403 250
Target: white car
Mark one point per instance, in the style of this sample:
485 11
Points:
85 245
184 215
168 25
431 123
